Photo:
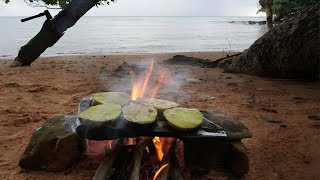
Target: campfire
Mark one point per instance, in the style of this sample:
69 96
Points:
140 157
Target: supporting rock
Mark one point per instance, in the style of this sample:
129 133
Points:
53 147
218 156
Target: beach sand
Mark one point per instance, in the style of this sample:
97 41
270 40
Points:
55 85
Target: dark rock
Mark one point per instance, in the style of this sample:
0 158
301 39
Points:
239 158
53 146
121 72
125 69
314 117
234 128
283 126
221 156
270 119
269 109
297 98
232 84
282 52
184 60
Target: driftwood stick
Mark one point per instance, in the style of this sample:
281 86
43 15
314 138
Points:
104 170
166 164
105 167
175 170
137 157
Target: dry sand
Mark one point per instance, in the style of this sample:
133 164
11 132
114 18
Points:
55 85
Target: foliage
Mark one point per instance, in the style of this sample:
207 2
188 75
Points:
57 3
283 8
286 7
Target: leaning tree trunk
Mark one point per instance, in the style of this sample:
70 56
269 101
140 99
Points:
52 31
267 6
289 50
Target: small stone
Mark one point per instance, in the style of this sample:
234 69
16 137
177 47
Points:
209 98
269 109
232 84
270 119
260 89
314 117
297 98
283 126
53 146
191 80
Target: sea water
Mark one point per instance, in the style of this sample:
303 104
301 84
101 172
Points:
110 35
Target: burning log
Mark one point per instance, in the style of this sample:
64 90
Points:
166 163
137 157
104 170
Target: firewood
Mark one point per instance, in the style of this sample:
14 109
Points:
104 170
137 157
166 163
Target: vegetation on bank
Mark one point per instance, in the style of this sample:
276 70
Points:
284 8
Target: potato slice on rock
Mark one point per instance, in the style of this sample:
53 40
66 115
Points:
100 114
183 119
139 114
120 98
159 104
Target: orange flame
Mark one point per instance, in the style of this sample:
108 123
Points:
138 87
157 143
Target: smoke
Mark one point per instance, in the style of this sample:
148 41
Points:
165 82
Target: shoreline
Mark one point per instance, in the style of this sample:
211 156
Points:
9 57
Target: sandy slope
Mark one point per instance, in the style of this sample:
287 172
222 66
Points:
287 150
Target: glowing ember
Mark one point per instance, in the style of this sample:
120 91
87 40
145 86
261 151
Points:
158 173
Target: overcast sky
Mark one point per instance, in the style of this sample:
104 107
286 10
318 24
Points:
151 8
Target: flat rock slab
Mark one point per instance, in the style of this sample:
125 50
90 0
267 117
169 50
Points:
235 129
53 146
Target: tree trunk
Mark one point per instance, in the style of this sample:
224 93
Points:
52 31
289 50
267 7
269 14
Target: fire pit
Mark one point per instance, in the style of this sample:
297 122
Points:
156 152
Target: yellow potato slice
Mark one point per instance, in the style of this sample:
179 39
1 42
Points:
120 98
159 104
139 114
100 114
183 119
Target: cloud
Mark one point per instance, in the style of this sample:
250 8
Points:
151 8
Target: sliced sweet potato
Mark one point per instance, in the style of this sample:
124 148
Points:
159 104
183 119
139 114
100 114
120 98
